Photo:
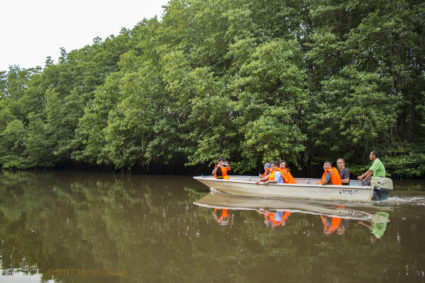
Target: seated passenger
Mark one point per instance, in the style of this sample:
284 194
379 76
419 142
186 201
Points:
267 170
287 176
344 173
274 177
376 170
330 176
221 169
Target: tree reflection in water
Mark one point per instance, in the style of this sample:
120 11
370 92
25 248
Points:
149 228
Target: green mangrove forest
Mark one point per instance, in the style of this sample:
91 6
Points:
249 81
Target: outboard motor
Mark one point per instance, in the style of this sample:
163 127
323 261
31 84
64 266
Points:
382 187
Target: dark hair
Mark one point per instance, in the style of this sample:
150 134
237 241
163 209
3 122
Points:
329 162
284 161
376 153
275 163
340 159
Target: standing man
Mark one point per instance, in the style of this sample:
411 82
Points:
221 169
330 176
376 170
343 171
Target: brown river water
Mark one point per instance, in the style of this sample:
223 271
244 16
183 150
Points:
96 227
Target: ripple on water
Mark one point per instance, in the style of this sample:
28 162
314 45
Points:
414 200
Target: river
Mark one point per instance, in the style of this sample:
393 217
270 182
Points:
97 227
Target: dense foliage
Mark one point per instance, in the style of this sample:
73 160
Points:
247 80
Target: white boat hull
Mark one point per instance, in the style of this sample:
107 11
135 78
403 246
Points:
304 189
225 201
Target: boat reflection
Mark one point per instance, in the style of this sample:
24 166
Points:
220 201
276 212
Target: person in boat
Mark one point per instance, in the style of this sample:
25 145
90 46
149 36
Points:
274 177
267 170
223 219
221 169
330 176
376 170
344 173
286 174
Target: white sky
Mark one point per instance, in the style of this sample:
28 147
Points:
31 30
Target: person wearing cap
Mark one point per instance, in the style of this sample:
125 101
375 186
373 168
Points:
274 177
267 170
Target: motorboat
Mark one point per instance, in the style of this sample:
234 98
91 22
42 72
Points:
305 188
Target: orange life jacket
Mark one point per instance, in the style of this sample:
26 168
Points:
268 171
224 214
287 176
223 172
271 176
335 177
285 216
335 222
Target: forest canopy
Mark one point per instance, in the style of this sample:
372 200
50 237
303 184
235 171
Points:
245 80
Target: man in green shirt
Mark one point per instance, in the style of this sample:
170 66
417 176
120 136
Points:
376 170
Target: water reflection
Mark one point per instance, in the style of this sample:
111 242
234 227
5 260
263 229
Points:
377 225
334 217
224 217
274 219
77 227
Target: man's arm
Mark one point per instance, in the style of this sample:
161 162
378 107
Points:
264 179
364 224
215 170
276 176
326 180
346 176
366 175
